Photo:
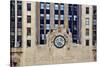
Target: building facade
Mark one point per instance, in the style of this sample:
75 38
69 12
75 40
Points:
87 25
74 14
51 33
94 25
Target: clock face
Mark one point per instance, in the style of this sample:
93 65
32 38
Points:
59 41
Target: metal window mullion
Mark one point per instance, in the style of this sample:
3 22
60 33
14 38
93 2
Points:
15 24
44 23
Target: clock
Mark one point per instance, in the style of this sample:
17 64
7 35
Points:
59 41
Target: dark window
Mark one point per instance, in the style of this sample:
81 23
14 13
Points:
28 43
94 42
87 32
87 42
19 25
12 29
19 19
47 11
74 40
28 19
19 10
41 31
94 10
12 25
28 6
42 38
19 2
28 31
56 21
12 8
12 19
12 43
56 11
41 11
47 31
42 41
19 38
74 32
62 12
47 21
61 21
41 21
87 10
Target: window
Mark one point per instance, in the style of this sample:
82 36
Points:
28 43
56 12
18 44
28 31
19 22
19 31
61 21
87 10
42 36
19 2
61 7
56 7
19 10
41 16
87 21
12 8
75 28
12 33
28 19
41 11
61 17
42 5
19 41
75 18
41 26
62 25
87 42
87 32
47 16
70 17
47 11
56 26
47 6
94 10
56 17
62 12
47 26
19 19
12 43
28 6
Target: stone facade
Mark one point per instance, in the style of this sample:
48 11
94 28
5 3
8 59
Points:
48 53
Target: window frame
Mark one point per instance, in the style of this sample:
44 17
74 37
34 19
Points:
87 42
28 31
28 6
28 18
87 10
87 21
87 32
28 43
